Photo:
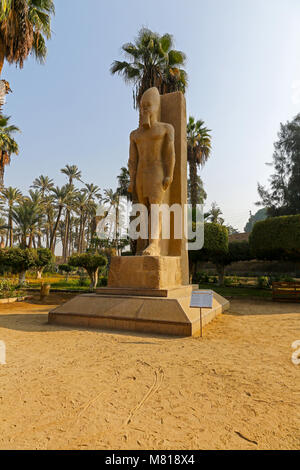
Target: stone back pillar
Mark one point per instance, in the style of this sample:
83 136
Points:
173 111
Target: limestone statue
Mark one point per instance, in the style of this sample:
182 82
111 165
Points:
151 162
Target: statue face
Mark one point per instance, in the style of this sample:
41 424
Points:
149 108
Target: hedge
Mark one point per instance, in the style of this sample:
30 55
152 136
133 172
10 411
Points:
277 238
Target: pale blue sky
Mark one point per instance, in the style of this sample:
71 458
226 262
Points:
243 59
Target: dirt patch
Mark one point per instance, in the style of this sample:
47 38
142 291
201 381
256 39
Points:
66 388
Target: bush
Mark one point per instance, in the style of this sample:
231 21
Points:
65 268
202 278
19 260
276 238
8 290
263 282
91 262
102 281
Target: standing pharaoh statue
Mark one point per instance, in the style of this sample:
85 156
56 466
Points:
151 162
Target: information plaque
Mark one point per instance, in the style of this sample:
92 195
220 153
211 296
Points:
202 299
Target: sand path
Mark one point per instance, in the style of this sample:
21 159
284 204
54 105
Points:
66 388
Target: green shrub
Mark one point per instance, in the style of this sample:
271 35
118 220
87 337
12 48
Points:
67 269
263 282
202 278
19 260
277 238
9 290
102 281
91 262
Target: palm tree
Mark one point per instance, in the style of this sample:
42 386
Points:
113 199
73 173
123 183
61 196
11 196
8 146
82 205
24 27
152 63
214 215
27 216
199 148
43 184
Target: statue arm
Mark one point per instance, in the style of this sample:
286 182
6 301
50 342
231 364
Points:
132 163
169 157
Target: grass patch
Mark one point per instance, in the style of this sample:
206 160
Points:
240 292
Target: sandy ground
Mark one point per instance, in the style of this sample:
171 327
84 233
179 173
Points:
65 388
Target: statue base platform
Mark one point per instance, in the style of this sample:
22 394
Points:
158 311
150 272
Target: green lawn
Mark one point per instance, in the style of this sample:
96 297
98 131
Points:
241 292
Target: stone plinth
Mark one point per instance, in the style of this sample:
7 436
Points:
169 314
150 272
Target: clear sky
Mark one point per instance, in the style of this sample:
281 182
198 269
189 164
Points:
243 61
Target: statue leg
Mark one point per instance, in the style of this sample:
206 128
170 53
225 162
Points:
155 225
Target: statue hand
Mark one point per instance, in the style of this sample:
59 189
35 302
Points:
167 182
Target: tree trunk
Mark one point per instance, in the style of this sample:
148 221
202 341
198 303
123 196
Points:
193 182
52 244
2 56
39 273
10 225
66 236
94 275
22 278
2 168
221 273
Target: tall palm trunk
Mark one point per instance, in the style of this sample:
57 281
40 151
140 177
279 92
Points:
53 235
193 181
2 56
2 169
66 236
10 225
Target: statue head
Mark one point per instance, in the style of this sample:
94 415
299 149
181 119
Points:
150 108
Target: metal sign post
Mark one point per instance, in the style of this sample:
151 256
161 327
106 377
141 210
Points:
201 299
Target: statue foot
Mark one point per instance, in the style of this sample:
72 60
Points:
152 250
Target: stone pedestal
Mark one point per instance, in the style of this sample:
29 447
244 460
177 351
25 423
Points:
165 311
150 272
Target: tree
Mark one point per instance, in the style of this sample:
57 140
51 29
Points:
61 196
67 269
277 238
72 172
214 215
25 25
43 184
8 146
123 183
18 260
199 148
11 196
91 262
152 63
283 196
262 214
215 248
237 251
27 216
44 257
201 193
